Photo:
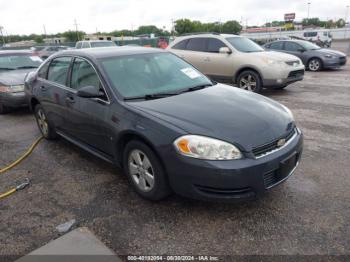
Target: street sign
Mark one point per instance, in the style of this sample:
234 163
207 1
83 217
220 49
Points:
289 17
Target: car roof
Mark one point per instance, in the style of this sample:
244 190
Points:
103 52
199 35
15 52
94 41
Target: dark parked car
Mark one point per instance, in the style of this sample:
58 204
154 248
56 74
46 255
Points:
165 123
45 51
14 66
314 57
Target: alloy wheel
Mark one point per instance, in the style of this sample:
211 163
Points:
42 122
248 82
141 170
314 65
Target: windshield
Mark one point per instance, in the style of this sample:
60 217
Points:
149 74
19 61
309 46
102 44
245 45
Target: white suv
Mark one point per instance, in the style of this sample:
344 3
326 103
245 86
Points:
238 60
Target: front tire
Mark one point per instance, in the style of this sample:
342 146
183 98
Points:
145 171
44 126
249 80
315 64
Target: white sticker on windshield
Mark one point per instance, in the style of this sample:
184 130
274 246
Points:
190 72
35 58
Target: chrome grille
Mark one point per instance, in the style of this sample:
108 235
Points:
269 147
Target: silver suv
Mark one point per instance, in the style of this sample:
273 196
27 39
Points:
238 60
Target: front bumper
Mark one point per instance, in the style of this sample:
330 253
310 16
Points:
13 99
334 62
247 178
292 77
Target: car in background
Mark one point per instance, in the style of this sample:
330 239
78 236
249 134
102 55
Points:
45 51
94 44
166 124
238 60
14 66
321 38
314 57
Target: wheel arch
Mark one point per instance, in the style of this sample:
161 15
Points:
33 103
247 68
125 137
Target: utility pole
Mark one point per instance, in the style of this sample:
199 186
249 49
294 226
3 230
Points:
308 11
346 18
76 28
173 27
2 35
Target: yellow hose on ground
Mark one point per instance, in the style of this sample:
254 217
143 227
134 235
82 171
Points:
19 160
10 192
15 163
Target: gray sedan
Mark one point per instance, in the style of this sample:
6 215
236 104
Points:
14 66
314 57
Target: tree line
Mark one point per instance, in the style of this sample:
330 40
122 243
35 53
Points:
340 23
181 26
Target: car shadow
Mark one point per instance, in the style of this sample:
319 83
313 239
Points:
19 111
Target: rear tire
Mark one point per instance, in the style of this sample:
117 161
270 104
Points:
3 109
145 171
314 64
45 127
249 80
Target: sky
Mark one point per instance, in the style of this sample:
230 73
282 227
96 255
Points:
30 16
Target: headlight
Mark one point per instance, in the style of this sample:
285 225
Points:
288 111
206 148
11 89
274 62
17 88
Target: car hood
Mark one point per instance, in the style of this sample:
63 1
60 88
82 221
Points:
14 77
275 56
326 51
223 112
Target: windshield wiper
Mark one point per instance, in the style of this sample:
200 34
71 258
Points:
162 95
195 88
149 97
25 67
7 68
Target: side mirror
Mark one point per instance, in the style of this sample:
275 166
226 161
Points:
225 50
30 77
90 92
301 50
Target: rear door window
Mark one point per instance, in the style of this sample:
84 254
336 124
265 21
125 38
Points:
85 45
58 70
214 45
276 45
197 44
290 46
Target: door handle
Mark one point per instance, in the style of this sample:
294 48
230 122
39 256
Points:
70 99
